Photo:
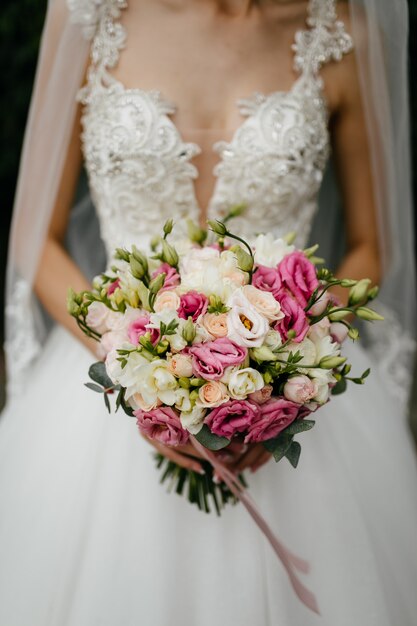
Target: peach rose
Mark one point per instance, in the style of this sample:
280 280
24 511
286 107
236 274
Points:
180 365
264 302
212 394
167 299
215 324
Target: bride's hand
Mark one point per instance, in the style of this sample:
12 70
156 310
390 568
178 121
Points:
187 456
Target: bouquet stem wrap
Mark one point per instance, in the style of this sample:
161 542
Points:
290 561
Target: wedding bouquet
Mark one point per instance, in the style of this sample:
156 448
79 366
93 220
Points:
220 342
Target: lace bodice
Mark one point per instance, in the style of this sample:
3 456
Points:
141 171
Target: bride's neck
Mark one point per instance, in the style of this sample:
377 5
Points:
229 7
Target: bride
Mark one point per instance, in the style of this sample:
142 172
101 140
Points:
187 107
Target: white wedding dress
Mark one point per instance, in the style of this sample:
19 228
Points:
88 537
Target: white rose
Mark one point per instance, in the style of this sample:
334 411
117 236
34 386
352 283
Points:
245 381
110 341
120 321
228 371
97 317
273 339
319 330
182 400
306 348
264 302
167 299
246 326
270 252
338 331
193 420
300 389
136 401
127 375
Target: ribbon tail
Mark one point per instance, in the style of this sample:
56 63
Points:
289 560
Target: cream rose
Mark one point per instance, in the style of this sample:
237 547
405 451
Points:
264 302
215 324
212 394
167 299
180 365
245 381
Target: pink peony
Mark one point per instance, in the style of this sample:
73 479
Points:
267 279
162 424
274 416
172 278
232 417
113 286
138 327
192 303
295 319
212 357
299 276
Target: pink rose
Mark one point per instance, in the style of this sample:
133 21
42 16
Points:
300 389
162 424
234 416
274 416
299 276
192 303
172 278
262 395
113 286
211 358
295 319
138 327
267 279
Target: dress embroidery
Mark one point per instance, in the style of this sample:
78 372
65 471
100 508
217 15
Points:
140 169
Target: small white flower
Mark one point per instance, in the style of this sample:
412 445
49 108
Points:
246 326
270 252
182 400
245 381
193 420
154 381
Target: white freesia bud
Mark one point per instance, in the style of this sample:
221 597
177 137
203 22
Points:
245 381
182 399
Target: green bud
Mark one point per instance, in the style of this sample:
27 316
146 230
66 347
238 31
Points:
237 210
346 369
368 314
373 292
291 334
263 353
330 362
157 283
195 233
310 251
139 256
155 241
335 315
168 226
217 227
244 259
194 395
290 238
143 293
353 333
136 267
184 382
162 346
169 254
358 292
197 382
188 331
348 283
267 378
72 306
122 255
133 298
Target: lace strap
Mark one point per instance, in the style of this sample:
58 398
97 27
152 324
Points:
325 40
98 20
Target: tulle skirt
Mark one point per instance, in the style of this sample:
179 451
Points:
88 536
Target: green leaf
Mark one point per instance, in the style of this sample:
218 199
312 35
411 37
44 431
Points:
299 426
366 373
278 446
210 440
98 373
107 402
340 387
293 453
94 387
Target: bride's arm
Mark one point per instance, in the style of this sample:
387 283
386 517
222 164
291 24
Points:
57 271
353 164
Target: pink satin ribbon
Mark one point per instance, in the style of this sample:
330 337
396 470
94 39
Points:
290 561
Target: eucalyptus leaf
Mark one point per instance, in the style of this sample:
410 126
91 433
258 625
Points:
107 402
299 426
210 440
98 373
94 387
340 387
293 453
278 446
